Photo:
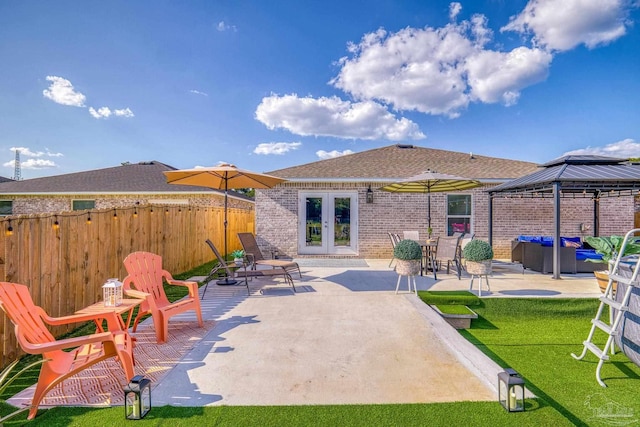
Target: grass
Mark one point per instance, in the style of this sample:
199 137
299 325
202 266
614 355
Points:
453 309
449 298
533 336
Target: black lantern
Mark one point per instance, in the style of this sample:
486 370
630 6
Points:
137 398
369 195
511 390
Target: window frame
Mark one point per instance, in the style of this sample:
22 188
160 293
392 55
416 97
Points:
73 207
468 217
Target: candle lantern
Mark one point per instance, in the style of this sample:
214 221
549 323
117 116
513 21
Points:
511 390
137 398
112 293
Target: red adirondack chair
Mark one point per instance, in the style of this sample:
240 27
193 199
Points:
146 275
34 337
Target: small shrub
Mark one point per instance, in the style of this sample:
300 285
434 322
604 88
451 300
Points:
407 250
477 250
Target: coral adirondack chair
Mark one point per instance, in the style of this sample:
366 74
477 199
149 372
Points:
145 280
34 337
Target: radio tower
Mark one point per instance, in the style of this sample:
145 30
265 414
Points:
17 176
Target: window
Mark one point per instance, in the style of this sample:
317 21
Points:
81 205
458 213
6 207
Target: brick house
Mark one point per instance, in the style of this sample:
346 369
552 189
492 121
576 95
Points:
322 210
122 186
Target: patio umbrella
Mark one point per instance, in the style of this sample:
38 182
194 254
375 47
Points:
431 182
222 177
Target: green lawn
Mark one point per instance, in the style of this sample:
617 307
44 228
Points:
533 336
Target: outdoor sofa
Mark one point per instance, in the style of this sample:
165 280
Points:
536 253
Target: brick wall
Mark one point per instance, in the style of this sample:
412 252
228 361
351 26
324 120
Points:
277 217
57 203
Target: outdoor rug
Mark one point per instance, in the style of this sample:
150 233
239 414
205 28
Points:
103 383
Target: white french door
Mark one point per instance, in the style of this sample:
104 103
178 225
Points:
327 222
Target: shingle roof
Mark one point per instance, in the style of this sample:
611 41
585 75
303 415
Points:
138 177
402 161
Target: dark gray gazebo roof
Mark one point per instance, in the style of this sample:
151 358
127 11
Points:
577 175
572 176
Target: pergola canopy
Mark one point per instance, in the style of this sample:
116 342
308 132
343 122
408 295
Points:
578 176
572 176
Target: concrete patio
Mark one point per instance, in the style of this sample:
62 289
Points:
344 337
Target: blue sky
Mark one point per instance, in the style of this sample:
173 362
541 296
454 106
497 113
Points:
268 85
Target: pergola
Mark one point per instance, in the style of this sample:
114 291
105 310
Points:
575 176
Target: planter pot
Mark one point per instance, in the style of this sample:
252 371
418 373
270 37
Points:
408 267
603 280
458 321
238 261
478 268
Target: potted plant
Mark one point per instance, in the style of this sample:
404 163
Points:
408 254
238 257
609 247
477 255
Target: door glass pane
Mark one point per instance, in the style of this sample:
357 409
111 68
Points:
314 221
342 217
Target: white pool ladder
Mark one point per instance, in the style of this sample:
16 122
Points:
612 329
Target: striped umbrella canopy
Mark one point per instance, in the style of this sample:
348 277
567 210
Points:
222 177
431 182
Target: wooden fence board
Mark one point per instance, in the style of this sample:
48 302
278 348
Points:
66 267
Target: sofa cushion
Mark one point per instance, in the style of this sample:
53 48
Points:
571 242
584 254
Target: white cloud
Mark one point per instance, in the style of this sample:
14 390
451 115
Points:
32 164
627 148
223 26
438 71
322 154
267 148
100 113
26 152
61 91
126 112
334 117
454 10
197 92
105 112
564 24
499 76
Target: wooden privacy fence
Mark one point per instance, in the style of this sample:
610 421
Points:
65 259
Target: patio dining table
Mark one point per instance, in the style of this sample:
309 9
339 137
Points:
428 260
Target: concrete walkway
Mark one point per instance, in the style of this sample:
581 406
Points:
344 337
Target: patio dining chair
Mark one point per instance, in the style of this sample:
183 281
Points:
255 257
448 251
411 235
62 358
394 238
145 279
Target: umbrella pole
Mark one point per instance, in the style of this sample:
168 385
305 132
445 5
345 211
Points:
429 213
227 280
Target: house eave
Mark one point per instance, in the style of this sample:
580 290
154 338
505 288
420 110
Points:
120 193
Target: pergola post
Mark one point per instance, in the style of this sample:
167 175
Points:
556 230
491 219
